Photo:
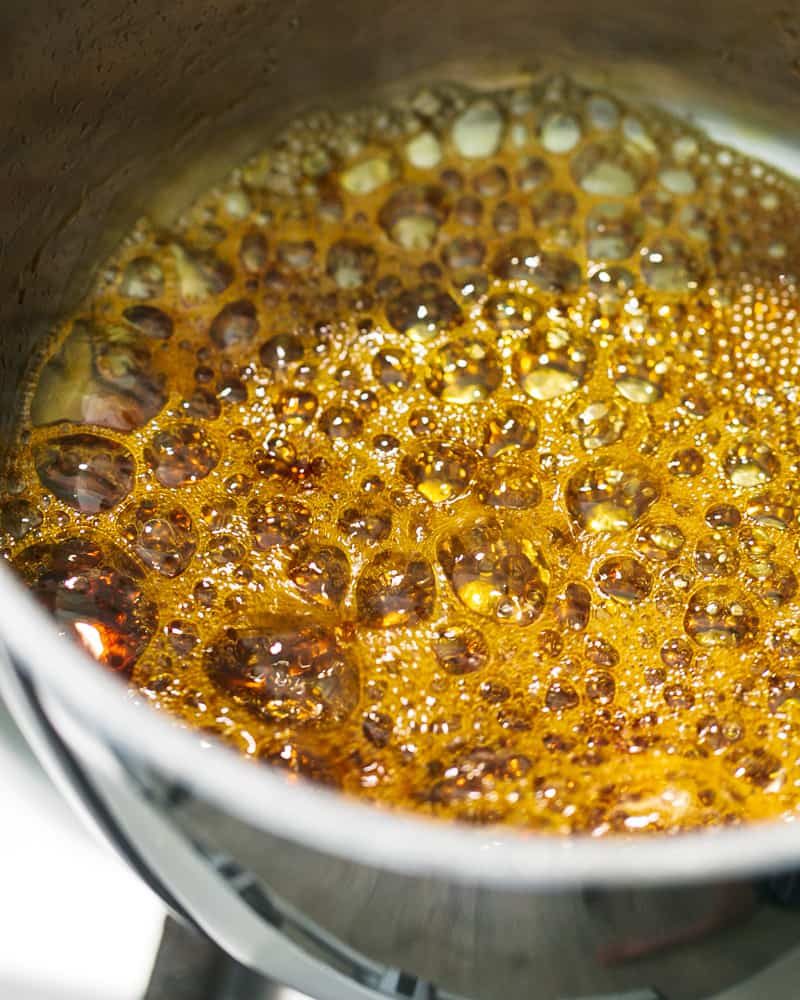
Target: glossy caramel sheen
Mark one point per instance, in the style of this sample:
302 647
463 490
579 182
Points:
448 455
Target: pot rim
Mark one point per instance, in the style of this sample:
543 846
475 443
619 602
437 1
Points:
324 820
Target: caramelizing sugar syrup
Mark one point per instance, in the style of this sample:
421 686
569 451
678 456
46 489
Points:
448 455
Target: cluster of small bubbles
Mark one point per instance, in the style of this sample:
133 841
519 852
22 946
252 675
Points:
446 455
180 456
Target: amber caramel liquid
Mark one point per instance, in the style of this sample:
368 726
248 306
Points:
447 454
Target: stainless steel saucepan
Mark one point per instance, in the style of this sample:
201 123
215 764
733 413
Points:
103 105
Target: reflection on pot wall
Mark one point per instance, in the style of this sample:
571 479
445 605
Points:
687 942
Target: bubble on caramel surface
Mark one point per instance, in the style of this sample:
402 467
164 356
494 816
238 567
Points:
285 670
460 649
495 573
552 362
395 589
464 371
447 454
107 375
610 497
513 429
85 471
439 473
321 573
96 595
164 540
